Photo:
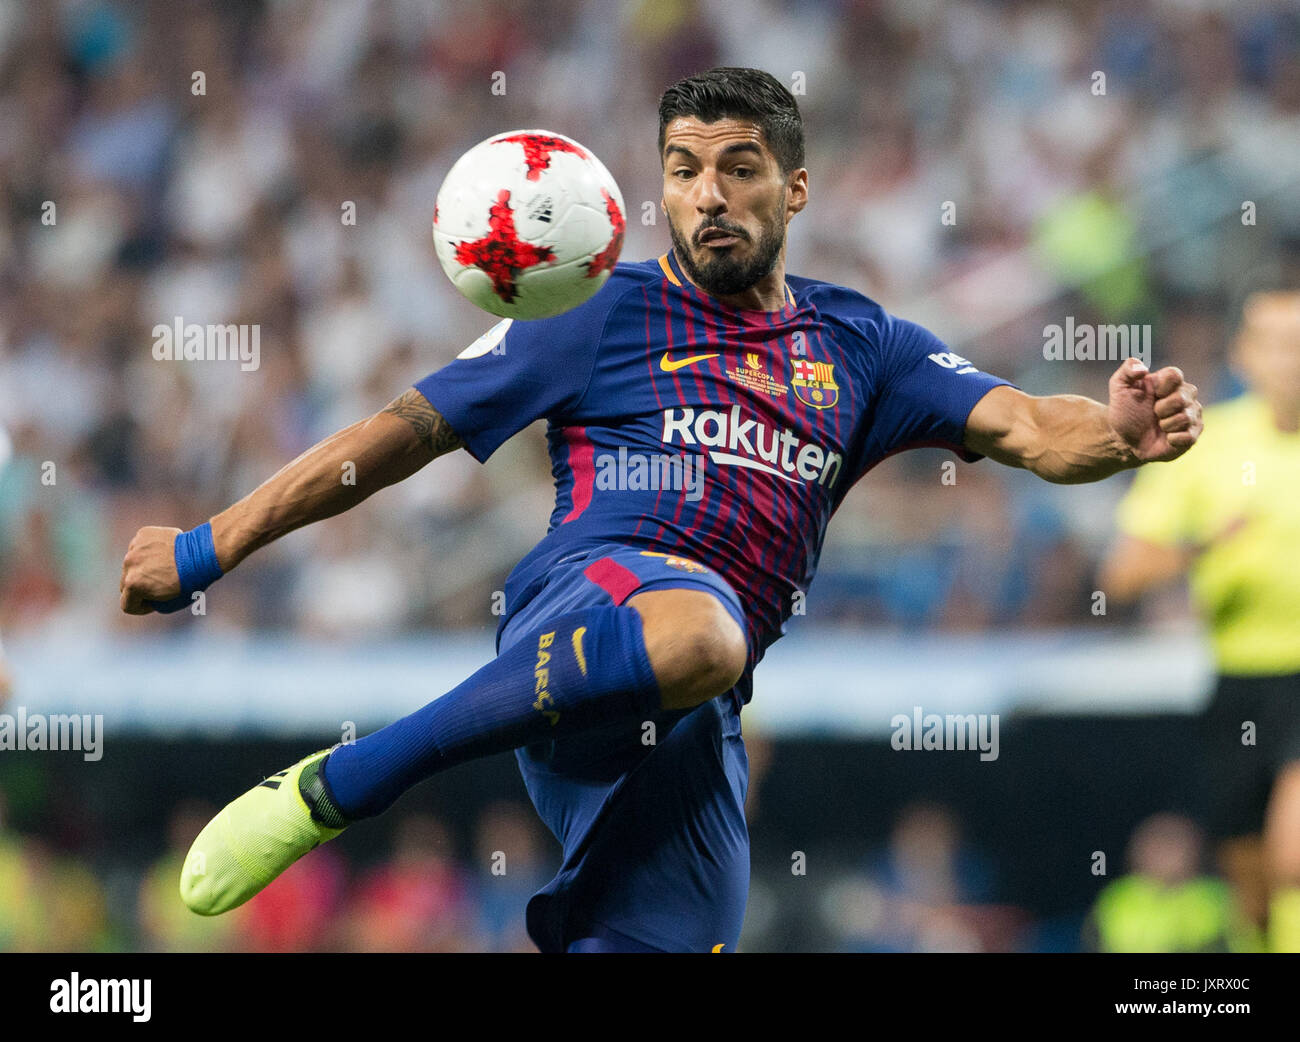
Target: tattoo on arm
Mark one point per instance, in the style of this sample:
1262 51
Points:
434 433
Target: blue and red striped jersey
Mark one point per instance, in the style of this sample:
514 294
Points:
679 425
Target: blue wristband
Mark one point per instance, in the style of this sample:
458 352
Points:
196 564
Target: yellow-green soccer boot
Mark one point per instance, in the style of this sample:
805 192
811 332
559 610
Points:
257 837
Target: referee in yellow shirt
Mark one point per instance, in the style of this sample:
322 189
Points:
1228 516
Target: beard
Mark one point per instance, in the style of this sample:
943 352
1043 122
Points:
724 275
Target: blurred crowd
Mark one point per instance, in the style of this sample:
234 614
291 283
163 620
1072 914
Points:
926 888
929 889
276 163
424 895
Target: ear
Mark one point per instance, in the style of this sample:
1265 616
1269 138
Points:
796 192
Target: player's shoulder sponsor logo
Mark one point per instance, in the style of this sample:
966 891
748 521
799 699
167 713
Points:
753 373
952 360
814 383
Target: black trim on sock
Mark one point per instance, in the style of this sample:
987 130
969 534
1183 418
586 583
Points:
316 794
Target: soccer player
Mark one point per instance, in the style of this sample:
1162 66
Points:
1228 516
631 631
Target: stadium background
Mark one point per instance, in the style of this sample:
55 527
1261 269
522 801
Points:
1122 207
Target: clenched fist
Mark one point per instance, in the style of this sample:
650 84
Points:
149 569
1156 414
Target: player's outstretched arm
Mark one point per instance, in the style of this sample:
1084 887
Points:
1068 439
372 454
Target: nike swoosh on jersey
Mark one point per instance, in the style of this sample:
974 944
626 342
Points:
668 365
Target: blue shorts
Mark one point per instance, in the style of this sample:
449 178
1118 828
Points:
651 819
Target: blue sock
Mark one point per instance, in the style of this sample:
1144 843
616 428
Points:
582 669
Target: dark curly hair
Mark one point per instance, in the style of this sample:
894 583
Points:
737 93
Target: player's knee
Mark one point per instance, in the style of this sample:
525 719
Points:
710 661
697 650
716 657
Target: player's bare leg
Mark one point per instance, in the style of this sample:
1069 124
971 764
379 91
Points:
696 648
665 649
1282 861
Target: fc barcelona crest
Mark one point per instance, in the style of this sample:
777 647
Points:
814 383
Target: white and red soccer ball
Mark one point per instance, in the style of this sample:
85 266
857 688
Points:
528 224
